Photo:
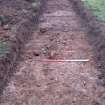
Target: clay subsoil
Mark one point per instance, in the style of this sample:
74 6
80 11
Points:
44 76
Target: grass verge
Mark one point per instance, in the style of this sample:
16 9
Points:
98 8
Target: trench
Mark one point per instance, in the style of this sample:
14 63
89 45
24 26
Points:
46 76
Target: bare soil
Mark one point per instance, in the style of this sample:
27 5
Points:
17 20
96 36
60 36
12 13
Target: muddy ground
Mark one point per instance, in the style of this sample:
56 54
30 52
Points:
40 79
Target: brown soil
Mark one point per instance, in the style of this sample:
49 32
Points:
17 21
60 35
13 13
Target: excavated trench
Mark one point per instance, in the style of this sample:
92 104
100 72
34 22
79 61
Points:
48 74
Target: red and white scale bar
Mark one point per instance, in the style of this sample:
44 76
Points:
66 60
59 60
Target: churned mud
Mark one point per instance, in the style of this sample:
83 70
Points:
41 79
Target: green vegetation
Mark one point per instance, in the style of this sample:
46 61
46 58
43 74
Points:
3 48
98 8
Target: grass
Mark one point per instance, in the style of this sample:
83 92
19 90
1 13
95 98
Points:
3 48
98 8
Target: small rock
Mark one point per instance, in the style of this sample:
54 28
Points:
38 85
6 27
24 11
52 54
36 6
14 28
43 30
41 20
